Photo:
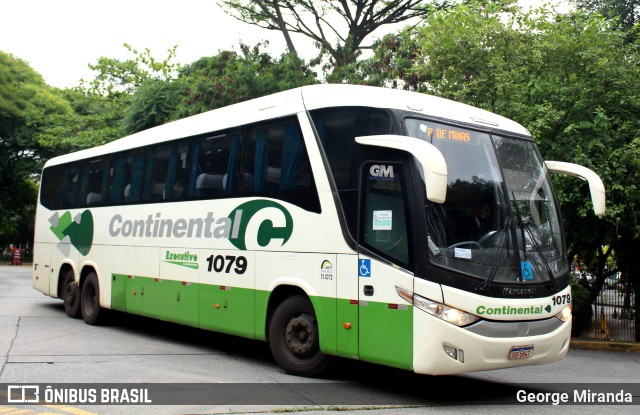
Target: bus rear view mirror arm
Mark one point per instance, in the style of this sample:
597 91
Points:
596 187
429 157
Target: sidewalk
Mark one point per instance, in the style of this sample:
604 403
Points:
608 345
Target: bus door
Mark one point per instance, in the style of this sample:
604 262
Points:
385 319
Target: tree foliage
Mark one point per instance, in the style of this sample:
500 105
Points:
230 77
28 109
625 12
213 82
124 77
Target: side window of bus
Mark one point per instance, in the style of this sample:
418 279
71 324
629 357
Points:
70 186
125 177
51 186
275 164
93 186
384 227
165 172
214 167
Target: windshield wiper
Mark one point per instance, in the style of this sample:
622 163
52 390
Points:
486 284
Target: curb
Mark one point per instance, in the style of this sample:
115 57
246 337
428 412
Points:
606 345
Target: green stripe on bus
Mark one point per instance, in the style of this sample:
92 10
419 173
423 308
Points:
386 339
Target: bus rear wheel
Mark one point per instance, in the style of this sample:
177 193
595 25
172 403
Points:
90 300
294 338
70 294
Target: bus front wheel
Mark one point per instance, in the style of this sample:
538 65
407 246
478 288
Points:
90 300
294 339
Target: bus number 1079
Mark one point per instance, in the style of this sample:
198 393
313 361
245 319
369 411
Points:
219 263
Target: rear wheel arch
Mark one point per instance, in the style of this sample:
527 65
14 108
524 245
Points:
277 296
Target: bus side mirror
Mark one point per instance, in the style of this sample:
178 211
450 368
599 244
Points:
429 157
596 187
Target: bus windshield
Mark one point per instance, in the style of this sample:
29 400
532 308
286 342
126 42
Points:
499 222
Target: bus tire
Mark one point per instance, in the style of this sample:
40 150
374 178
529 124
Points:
294 338
70 294
90 300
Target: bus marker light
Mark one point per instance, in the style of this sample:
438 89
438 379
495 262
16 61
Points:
393 306
353 301
216 306
134 292
346 325
454 353
405 295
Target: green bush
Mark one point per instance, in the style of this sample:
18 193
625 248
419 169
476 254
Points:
582 311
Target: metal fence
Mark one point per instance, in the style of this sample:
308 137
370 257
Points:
614 315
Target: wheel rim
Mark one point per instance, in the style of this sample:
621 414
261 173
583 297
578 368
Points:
300 336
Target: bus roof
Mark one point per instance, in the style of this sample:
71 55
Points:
301 99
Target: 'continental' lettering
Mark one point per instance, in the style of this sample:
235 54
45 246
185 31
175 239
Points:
508 310
157 227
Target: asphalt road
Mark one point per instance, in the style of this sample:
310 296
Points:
40 345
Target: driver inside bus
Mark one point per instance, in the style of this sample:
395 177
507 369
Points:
475 227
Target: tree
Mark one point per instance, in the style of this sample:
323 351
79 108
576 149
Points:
28 108
625 12
124 77
213 82
348 22
230 77
103 105
567 78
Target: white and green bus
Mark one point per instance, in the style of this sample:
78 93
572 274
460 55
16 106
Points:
328 220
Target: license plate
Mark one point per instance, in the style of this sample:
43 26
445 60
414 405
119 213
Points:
521 352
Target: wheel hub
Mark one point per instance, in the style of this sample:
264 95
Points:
300 335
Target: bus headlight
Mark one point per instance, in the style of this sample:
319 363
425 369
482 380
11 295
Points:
565 314
449 314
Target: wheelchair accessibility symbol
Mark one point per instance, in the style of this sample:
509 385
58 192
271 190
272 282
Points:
527 270
364 269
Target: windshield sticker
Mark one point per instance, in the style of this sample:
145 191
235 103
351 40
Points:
462 253
527 270
382 220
